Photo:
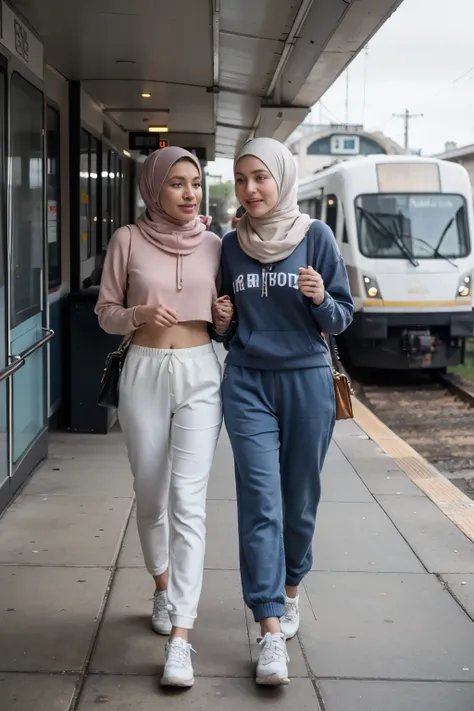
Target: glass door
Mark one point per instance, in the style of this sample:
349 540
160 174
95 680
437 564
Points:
28 335
5 371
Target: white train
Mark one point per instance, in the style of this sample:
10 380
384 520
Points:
404 225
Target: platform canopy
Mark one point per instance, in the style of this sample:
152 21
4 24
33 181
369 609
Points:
217 71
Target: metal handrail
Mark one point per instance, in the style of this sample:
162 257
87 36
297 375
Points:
12 368
42 342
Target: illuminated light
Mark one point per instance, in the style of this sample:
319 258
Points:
372 291
145 95
104 174
158 129
367 280
464 291
94 176
330 202
126 153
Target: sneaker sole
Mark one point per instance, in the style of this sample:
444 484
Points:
186 683
290 636
272 680
163 633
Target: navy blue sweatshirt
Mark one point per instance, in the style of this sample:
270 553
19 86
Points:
276 327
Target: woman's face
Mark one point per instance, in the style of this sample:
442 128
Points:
255 186
181 194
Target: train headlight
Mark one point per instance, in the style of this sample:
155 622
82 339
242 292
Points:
464 286
371 288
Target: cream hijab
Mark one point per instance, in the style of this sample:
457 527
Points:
276 235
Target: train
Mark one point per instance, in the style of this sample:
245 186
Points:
404 225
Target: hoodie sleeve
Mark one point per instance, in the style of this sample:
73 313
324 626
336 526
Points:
335 313
114 317
224 288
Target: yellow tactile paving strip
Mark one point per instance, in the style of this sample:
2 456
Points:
458 507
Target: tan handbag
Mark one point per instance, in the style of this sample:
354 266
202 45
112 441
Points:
342 388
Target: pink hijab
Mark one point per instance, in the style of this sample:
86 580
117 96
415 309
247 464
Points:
167 233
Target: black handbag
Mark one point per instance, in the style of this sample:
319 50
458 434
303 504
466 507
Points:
109 382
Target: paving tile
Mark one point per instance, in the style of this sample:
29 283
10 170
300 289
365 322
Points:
462 586
386 626
396 696
382 476
127 645
48 616
103 448
36 692
222 479
222 549
439 544
144 694
355 536
339 480
76 477
80 530
221 542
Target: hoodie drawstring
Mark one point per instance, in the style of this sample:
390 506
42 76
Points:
179 271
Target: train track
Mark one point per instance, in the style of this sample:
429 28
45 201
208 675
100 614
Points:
434 414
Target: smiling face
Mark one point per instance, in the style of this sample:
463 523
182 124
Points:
181 194
255 187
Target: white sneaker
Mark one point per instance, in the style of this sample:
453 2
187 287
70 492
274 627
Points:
272 667
290 622
160 617
178 667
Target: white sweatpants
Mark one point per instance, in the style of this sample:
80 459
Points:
170 414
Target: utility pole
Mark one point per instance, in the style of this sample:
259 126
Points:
406 117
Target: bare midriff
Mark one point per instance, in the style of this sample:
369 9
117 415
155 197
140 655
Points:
188 334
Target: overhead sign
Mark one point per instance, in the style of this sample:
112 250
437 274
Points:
144 140
20 41
200 153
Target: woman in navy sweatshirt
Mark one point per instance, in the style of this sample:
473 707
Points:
277 389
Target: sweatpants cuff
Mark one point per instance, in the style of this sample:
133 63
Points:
293 582
186 623
268 609
158 571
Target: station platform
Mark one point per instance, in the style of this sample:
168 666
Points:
387 611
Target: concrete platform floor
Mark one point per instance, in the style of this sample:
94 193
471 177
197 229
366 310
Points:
387 611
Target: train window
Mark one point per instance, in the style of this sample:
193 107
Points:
53 197
26 106
331 212
84 200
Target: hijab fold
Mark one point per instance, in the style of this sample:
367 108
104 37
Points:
169 234
276 235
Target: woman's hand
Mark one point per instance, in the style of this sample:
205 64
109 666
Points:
222 312
311 284
156 316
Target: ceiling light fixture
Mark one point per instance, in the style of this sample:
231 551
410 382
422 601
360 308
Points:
158 129
145 95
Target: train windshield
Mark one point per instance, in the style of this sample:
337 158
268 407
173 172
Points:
412 226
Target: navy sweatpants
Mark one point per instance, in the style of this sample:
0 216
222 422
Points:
280 425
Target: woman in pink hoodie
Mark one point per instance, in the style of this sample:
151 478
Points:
159 283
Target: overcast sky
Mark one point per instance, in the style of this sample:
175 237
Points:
423 60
